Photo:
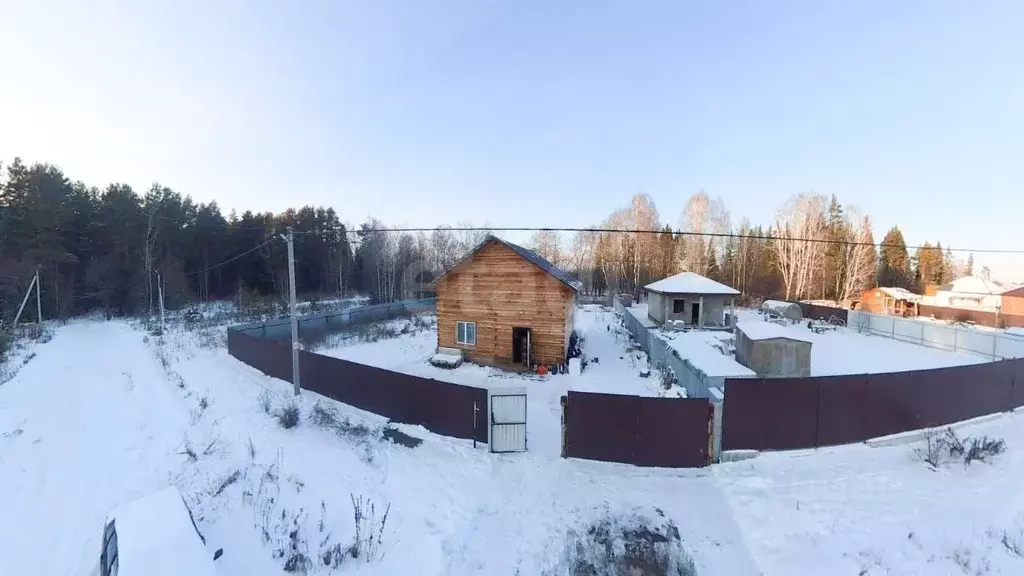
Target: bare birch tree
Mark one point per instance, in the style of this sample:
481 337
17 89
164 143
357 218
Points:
800 229
702 215
858 256
548 244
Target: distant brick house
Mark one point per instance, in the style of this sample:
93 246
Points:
1013 302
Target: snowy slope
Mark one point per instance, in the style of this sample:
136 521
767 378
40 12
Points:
101 417
104 418
881 511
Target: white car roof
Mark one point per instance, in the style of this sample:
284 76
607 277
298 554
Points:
156 537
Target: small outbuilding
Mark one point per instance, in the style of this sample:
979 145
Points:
888 300
505 304
773 351
689 299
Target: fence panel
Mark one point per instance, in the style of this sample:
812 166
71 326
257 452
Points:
673 432
844 410
272 357
908 331
939 336
1010 347
600 426
819 312
772 414
662 432
1018 383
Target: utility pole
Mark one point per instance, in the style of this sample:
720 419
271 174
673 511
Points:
290 238
39 301
160 291
34 282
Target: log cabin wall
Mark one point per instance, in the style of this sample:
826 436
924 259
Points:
499 290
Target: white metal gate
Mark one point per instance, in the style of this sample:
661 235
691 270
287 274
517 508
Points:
508 420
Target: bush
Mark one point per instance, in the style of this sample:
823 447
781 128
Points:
5 344
265 400
369 528
943 446
982 449
288 417
626 544
326 417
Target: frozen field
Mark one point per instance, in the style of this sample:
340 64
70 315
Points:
103 414
615 372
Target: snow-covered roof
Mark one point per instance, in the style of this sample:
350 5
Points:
690 283
779 305
156 537
697 347
973 285
768 330
900 294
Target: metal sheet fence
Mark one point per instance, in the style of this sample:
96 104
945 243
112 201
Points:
982 317
990 344
818 312
441 407
695 381
789 413
315 325
662 432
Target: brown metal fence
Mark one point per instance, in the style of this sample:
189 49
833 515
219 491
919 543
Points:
441 407
789 413
981 317
662 432
819 312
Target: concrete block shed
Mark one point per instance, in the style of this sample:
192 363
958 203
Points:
690 299
772 351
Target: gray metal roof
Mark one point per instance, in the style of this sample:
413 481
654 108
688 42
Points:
526 253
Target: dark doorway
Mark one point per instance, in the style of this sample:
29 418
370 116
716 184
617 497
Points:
695 313
521 345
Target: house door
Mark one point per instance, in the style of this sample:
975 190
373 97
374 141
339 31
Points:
521 346
695 313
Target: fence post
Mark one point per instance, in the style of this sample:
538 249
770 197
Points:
476 409
956 338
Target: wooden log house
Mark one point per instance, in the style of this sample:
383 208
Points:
505 304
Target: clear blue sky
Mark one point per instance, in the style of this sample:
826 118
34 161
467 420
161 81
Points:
534 113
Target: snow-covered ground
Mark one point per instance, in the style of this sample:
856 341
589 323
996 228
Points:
882 511
845 351
839 351
104 414
616 371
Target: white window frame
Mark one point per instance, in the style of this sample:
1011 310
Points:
464 324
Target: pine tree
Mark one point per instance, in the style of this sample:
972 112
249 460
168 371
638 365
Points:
969 271
894 269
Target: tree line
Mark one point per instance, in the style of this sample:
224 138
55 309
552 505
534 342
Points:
814 248
114 249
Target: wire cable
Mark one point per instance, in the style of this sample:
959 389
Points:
232 259
676 233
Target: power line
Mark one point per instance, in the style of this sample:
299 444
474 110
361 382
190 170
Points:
232 259
676 233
